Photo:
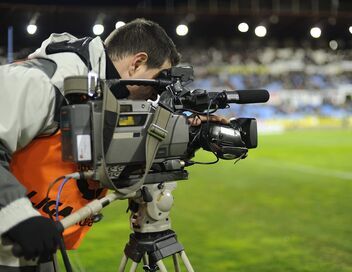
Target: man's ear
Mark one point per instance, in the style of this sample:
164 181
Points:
137 61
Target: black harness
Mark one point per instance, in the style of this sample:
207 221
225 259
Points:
49 67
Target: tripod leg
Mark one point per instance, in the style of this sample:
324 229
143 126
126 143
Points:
161 266
186 261
55 263
123 263
176 263
133 267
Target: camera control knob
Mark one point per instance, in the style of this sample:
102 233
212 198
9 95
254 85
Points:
146 195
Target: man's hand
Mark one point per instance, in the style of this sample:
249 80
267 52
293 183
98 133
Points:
36 236
199 119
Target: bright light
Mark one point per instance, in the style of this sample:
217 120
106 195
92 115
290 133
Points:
350 29
31 29
315 32
243 27
181 30
98 29
119 24
333 45
260 31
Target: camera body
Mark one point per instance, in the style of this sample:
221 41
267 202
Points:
113 138
81 128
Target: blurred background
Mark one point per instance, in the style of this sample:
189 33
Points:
299 50
287 207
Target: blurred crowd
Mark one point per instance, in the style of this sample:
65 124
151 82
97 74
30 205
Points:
301 81
276 69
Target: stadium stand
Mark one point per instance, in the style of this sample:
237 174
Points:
303 82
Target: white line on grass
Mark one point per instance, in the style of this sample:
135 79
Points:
308 169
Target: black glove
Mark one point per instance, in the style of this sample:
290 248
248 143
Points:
36 237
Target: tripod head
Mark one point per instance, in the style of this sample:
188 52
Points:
150 211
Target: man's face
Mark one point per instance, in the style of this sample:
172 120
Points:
143 72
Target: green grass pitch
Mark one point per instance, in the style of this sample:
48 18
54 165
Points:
287 207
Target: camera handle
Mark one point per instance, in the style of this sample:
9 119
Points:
152 239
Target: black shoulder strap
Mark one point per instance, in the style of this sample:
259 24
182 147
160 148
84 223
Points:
79 47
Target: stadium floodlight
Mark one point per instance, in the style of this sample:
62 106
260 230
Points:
119 24
32 25
350 29
243 27
32 29
182 30
315 32
333 45
98 29
260 31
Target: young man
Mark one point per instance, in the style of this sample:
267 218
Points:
30 159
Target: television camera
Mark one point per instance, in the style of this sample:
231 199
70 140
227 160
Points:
139 150
111 137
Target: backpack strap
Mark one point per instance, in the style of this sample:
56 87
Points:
79 47
49 67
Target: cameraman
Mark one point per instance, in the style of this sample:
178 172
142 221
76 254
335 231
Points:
30 142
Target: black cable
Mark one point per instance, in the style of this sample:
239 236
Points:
213 162
199 112
208 117
208 122
64 255
207 132
240 157
198 133
189 149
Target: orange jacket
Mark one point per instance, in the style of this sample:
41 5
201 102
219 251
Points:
37 166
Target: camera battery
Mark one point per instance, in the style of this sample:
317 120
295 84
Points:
75 128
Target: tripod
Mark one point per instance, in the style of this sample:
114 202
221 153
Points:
152 239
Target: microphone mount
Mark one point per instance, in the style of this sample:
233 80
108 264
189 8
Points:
201 100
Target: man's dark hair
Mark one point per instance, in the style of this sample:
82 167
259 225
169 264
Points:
141 35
